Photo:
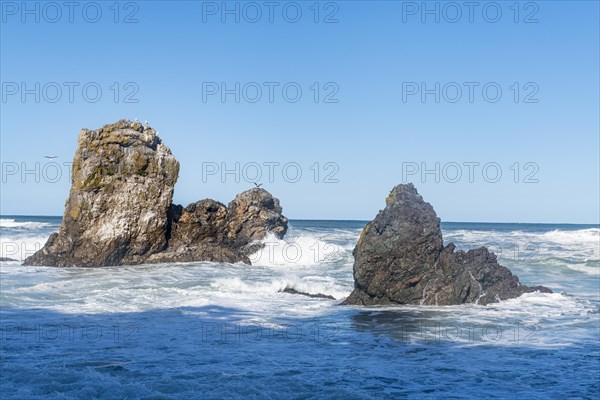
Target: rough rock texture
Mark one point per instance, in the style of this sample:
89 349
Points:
251 216
119 209
400 258
207 230
121 189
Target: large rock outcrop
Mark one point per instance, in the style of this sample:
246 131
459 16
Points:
120 210
400 258
208 230
121 189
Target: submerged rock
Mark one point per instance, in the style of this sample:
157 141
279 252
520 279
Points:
400 258
290 290
120 210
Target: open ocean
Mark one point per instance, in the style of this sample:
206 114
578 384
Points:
219 331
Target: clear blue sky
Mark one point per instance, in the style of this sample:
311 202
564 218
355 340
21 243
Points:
371 55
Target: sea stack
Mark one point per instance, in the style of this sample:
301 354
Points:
400 258
120 210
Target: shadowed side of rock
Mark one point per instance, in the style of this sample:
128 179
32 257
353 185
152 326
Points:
120 210
400 259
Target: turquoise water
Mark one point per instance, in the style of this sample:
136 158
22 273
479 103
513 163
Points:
210 330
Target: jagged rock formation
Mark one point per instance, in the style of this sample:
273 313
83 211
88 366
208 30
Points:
120 210
207 230
400 259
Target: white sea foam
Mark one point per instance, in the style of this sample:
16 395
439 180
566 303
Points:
302 250
569 237
578 250
571 241
11 223
308 284
20 239
21 246
220 329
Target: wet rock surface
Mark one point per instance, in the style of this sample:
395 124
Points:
290 290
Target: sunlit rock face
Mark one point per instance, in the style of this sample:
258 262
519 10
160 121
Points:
120 210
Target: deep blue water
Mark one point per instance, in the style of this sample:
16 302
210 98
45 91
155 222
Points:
209 330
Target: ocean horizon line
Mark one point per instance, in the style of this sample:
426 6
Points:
595 225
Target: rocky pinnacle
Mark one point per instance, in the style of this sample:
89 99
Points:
400 258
